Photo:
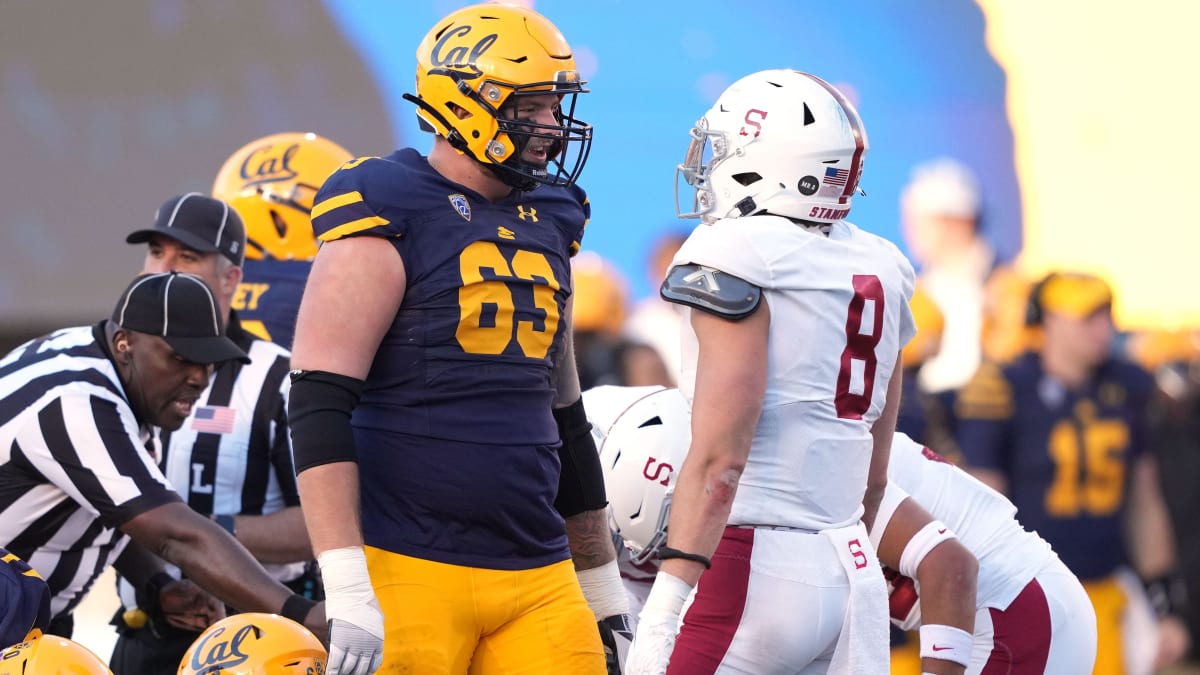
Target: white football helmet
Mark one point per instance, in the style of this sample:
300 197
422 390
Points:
778 141
641 455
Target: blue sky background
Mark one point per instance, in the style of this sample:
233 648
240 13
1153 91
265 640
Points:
919 70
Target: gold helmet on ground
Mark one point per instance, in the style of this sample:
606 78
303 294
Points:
51 655
255 644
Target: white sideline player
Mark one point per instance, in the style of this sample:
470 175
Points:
794 323
1032 615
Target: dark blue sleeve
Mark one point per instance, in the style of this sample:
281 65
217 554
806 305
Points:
983 411
24 600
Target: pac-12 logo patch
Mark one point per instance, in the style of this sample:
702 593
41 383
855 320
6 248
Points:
461 205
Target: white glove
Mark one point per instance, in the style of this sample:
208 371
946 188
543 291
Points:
658 624
355 620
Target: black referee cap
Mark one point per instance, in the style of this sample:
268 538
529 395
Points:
200 222
181 309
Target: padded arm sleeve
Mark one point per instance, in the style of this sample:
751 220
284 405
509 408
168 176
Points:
581 482
319 409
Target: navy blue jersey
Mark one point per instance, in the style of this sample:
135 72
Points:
269 296
1067 454
454 427
24 599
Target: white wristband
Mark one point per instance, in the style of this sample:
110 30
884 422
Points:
925 540
603 590
947 643
667 595
347 582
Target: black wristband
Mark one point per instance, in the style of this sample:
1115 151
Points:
581 478
227 522
296 608
666 553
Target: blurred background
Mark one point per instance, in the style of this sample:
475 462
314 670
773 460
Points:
1073 118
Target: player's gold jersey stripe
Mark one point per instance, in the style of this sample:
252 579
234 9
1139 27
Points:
335 202
352 227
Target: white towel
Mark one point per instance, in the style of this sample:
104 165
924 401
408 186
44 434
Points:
862 647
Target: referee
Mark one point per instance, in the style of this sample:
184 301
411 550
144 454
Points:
76 480
232 459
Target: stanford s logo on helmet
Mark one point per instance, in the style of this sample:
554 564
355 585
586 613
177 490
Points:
480 60
778 141
641 454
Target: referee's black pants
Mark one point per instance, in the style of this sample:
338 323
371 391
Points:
138 650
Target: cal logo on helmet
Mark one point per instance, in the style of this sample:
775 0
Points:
255 644
271 183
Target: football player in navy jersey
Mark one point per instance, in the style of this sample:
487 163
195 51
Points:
271 182
1062 431
435 385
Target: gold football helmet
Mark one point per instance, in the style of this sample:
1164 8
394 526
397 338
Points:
931 323
479 60
255 644
600 295
51 655
271 183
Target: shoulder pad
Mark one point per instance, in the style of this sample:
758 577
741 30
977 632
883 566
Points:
711 290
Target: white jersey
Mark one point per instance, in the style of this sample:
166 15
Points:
839 317
984 520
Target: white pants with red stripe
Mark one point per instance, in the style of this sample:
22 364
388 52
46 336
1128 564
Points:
773 602
1049 628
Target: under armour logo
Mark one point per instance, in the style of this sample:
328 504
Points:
531 213
706 276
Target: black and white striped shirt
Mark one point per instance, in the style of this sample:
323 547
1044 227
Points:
73 461
233 454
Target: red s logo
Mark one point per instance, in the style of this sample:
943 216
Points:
658 471
761 114
856 552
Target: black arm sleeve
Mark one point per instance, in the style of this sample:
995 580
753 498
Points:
319 408
581 482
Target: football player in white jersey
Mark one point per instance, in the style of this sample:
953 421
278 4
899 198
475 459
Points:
794 323
1030 614
1033 615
